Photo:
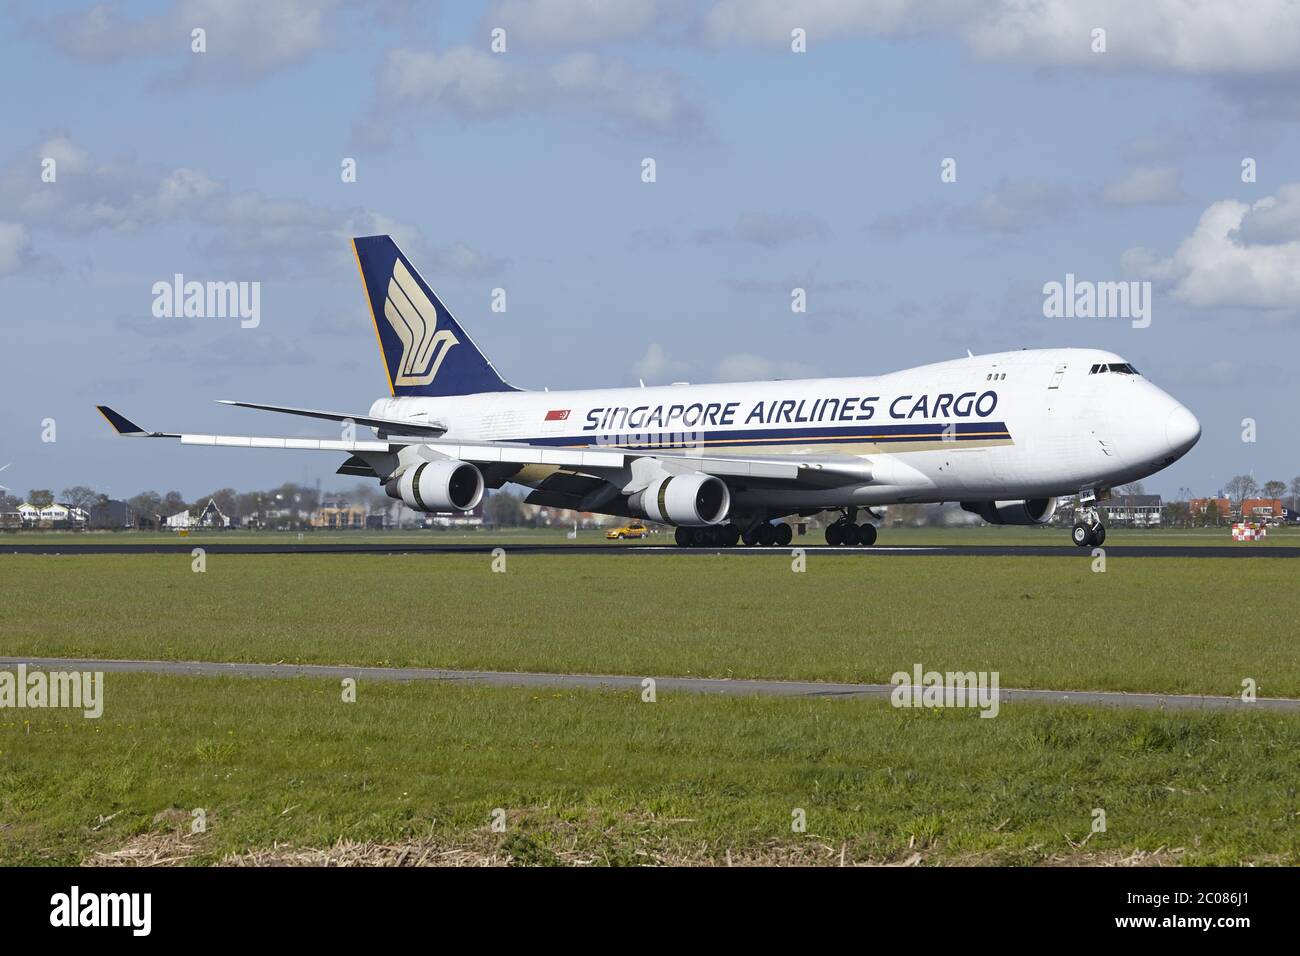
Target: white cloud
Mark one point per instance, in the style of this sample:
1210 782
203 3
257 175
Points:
747 367
1014 206
770 21
474 85
15 247
1011 207
246 39
1274 219
567 23
767 229
1239 256
657 367
1250 56
1186 36
1145 185
246 230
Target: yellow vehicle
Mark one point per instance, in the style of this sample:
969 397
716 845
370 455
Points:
633 529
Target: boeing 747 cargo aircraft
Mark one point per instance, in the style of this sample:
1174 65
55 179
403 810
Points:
1006 435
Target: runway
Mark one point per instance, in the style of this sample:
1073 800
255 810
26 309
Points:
820 550
669 685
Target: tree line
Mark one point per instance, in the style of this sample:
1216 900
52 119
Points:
289 501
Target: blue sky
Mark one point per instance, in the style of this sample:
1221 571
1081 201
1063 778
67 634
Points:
522 170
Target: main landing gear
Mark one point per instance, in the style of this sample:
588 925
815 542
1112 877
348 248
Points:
729 535
847 531
1088 531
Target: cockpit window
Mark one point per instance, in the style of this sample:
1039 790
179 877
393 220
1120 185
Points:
1122 368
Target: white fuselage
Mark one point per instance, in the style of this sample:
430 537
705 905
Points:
1028 424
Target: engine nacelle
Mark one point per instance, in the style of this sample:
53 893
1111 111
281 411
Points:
693 500
1021 511
442 485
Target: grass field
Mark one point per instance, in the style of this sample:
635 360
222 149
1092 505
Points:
1171 625
287 772
985 535
605 778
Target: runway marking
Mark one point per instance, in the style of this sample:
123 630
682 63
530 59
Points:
689 685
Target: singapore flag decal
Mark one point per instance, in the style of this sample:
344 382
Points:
558 415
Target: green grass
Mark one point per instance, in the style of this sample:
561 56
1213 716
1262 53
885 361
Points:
1172 625
423 537
605 777
982 535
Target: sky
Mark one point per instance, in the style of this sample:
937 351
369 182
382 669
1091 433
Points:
1162 149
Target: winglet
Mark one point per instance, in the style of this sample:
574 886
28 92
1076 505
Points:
121 425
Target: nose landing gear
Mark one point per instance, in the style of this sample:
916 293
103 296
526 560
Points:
1088 531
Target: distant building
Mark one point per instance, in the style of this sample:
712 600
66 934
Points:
30 513
339 515
1201 507
112 514
1262 509
456 519
212 517
1139 511
60 515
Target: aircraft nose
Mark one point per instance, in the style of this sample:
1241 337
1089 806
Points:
1182 430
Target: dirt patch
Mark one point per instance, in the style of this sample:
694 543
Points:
584 844
149 849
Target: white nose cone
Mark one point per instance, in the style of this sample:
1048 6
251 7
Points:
1182 430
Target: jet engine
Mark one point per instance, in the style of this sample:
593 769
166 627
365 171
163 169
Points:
692 500
1020 511
442 485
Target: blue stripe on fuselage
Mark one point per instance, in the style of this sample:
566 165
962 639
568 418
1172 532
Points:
840 434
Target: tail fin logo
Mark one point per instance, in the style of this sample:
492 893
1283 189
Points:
415 320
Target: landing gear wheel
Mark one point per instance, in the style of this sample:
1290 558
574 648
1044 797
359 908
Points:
730 536
766 535
1099 535
867 534
683 537
849 535
750 537
784 535
835 534
1081 535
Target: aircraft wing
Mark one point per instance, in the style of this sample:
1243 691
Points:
513 456
393 426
